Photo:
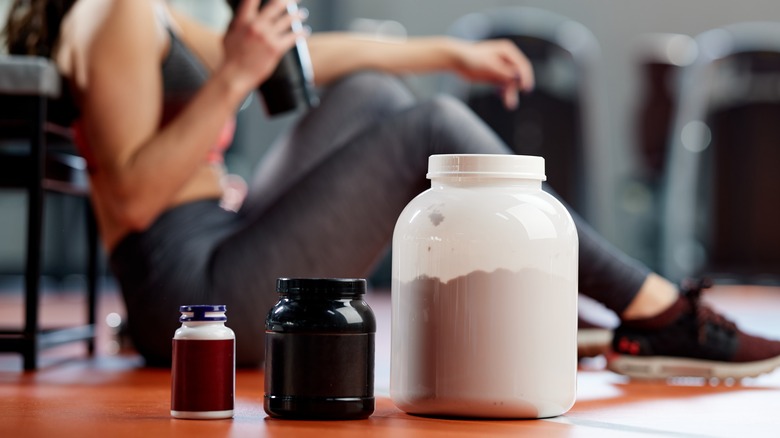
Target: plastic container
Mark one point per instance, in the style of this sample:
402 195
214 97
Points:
319 357
484 293
203 373
291 85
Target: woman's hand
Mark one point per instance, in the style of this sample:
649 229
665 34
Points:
499 62
256 40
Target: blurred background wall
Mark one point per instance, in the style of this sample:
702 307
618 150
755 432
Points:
625 210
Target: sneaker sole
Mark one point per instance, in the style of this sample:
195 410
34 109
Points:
663 367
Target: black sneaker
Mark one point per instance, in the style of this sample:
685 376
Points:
690 340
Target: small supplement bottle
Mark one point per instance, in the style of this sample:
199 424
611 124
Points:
484 293
319 350
204 367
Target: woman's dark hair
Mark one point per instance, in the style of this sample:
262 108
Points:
34 25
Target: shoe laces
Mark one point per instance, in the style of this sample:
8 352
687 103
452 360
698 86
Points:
692 290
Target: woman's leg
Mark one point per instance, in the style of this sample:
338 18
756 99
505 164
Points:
346 109
331 205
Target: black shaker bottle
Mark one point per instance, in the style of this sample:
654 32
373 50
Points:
291 85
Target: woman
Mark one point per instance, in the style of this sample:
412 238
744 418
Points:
157 94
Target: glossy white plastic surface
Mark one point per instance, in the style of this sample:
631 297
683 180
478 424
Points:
484 294
203 331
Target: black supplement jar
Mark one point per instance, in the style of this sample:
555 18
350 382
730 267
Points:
319 350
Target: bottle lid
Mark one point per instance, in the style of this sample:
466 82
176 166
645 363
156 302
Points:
343 287
486 166
202 312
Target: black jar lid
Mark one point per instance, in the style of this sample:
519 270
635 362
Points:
332 287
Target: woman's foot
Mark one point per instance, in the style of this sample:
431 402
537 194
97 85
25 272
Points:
690 339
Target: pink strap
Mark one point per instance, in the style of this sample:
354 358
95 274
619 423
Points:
216 154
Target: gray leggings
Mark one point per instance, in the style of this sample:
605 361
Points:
323 204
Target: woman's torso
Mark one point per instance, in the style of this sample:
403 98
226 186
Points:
182 75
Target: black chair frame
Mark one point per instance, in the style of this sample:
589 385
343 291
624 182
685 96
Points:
48 163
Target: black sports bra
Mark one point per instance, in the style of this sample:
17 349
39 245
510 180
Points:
183 74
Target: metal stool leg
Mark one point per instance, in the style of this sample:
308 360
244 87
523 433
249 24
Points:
34 238
92 274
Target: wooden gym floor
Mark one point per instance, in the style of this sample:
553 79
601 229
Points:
113 395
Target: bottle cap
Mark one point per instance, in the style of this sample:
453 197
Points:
202 312
486 166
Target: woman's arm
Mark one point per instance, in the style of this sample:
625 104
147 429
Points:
495 61
142 165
